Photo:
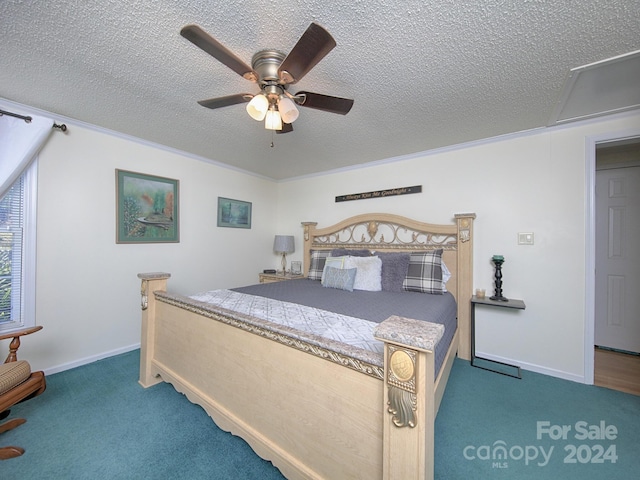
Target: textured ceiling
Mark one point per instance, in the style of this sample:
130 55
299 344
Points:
424 74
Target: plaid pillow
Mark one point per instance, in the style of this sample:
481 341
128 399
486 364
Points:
318 258
425 273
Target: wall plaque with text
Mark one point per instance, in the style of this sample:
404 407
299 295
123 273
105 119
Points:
380 193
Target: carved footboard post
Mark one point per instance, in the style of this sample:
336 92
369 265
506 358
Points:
150 282
465 281
409 397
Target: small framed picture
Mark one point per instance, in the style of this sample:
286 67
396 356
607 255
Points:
296 268
234 213
146 208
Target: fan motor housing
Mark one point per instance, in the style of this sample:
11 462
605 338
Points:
266 63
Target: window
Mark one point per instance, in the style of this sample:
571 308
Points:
17 253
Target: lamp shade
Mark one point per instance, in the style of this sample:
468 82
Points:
288 110
283 244
273 120
257 107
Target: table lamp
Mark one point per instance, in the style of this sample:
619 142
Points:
283 244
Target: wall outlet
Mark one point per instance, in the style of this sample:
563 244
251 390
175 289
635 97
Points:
525 238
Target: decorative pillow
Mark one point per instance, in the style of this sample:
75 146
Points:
369 274
341 252
316 266
425 272
394 270
340 278
446 275
335 262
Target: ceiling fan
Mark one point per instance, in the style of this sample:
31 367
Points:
274 71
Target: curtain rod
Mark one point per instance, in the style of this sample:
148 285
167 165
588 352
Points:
28 119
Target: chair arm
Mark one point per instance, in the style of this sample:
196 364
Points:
15 343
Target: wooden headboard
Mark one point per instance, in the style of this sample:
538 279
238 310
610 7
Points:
383 232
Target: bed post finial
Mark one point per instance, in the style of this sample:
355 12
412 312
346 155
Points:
465 224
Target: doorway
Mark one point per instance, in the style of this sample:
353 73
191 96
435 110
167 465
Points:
617 265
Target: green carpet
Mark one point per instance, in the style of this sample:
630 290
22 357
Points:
482 411
114 429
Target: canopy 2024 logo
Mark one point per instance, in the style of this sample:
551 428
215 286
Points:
499 453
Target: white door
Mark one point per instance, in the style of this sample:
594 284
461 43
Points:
617 295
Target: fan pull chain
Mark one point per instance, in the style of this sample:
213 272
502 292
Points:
272 138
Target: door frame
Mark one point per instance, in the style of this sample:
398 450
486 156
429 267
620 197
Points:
590 242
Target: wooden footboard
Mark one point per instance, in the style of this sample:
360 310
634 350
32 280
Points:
311 413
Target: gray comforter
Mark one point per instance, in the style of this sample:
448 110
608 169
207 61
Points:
372 306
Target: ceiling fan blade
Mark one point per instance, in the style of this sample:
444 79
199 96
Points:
312 47
220 102
286 128
206 42
325 103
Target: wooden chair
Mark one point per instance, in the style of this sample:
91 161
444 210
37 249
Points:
17 384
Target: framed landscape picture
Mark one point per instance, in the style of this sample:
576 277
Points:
234 213
147 208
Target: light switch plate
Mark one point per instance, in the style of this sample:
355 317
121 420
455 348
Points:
525 238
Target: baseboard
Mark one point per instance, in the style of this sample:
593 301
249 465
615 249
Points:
91 359
617 350
534 368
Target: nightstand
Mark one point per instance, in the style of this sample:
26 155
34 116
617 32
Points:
276 277
511 303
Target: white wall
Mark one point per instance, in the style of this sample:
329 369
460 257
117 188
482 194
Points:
88 292
530 183
87 287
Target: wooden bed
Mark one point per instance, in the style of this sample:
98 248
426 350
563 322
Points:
311 411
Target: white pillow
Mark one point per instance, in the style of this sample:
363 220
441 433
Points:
446 275
369 274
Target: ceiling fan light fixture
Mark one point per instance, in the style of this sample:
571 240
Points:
258 106
273 121
274 72
287 109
